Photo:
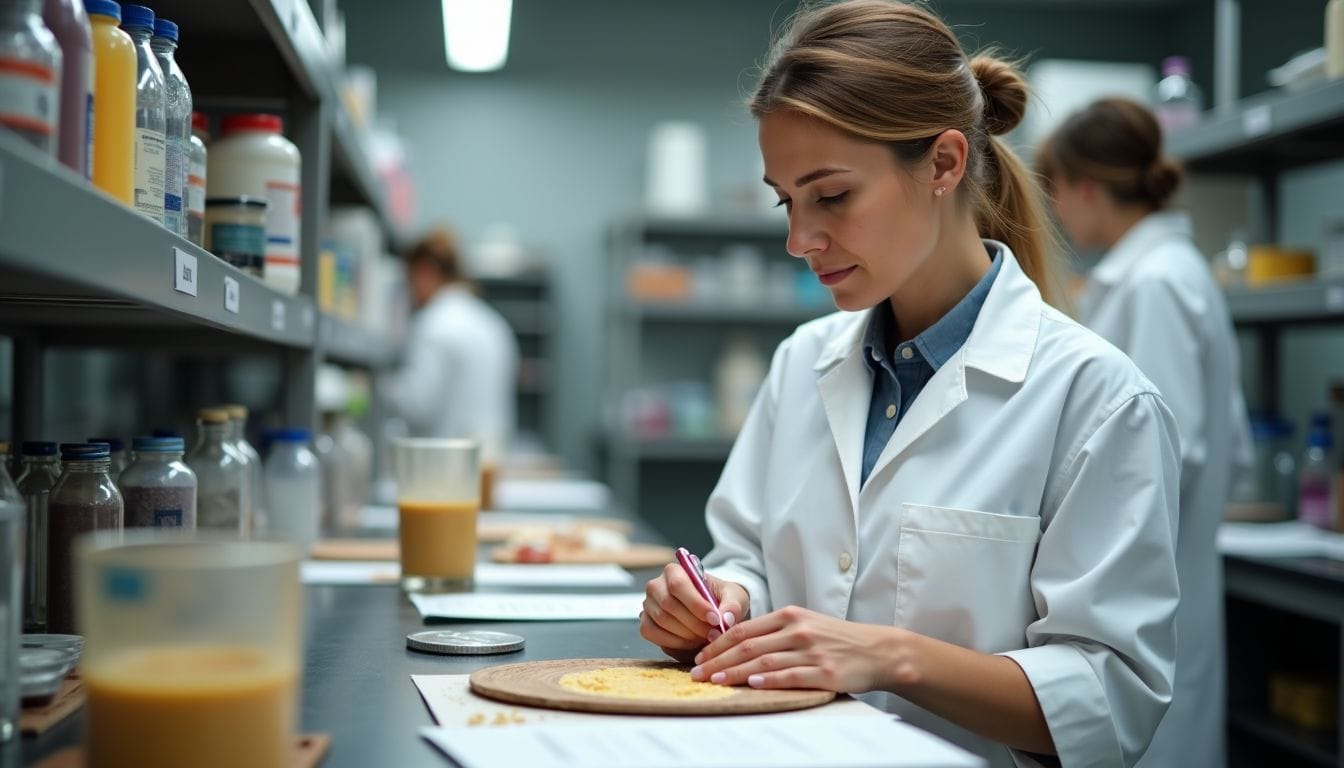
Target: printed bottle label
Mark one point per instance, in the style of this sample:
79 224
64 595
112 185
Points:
29 98
150 167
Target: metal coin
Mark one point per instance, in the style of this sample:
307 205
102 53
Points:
467 643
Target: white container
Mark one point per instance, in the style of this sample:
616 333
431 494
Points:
678 174
292 479
1334 38
251 158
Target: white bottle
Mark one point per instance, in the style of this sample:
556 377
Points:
1334 38
737 377
293 483
252 158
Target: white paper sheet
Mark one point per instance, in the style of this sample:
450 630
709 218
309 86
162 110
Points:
1287 539
739 742
522 607
487 574
451 703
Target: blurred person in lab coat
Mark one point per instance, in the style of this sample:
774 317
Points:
1153 296
948 498
461 356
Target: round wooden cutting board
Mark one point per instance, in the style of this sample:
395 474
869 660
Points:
537 683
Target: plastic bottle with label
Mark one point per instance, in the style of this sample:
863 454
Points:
30 75
253 159
177 119
196 159
113 102
70 24
150 115
1315 476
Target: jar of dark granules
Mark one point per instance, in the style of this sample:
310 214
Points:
84 499
160 490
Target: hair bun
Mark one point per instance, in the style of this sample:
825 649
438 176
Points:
1005 93
1162 179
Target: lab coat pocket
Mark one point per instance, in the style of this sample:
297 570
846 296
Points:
963 576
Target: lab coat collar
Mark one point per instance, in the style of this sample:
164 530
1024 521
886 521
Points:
1003 338
1140 240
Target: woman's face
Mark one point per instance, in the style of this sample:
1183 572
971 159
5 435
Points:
1075 206
859 220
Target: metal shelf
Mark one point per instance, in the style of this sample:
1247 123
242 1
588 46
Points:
115 267
1299 301
673 449
1267 133
723 313
347 344
719 227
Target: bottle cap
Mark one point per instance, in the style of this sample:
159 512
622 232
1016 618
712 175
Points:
288 435
1176 65
459 643
158 444
236 412
114 444
252 122
84 451
213 416
38 448
165 29
103 8
137 17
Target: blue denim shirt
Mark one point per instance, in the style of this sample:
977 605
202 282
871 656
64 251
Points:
899 378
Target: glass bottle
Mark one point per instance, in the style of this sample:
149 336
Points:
11 602
70 25
256 498
41 470
334 473
221 476
160 490
293 483
85 499
30 88
177 115
113 102
117 458
1179 100
150 115
196 164
1313 478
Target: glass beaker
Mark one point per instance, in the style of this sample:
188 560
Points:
438 500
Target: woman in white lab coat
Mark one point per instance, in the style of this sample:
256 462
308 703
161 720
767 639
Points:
1153 296
949 498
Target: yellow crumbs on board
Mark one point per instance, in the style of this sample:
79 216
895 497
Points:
639 683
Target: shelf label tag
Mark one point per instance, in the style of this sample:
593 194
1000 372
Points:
1256 121
1334 298
232 295
184 272
278 315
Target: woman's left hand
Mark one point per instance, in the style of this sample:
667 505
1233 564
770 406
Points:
797 648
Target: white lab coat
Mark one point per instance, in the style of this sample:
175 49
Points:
1152 295
460 372
1024 506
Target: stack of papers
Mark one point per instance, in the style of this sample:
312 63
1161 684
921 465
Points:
487 574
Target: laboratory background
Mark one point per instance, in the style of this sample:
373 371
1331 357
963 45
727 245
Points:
227 228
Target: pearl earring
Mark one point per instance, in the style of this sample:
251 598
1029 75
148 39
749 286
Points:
939 191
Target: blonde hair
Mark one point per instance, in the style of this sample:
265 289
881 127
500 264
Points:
894 73
1118 144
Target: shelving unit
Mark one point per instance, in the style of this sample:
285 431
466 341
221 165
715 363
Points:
527 303
79 270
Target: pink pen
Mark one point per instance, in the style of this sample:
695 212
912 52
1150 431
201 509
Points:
691 565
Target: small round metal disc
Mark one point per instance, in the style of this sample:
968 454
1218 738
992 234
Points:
468 643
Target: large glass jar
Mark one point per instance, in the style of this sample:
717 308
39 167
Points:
221 475
160 490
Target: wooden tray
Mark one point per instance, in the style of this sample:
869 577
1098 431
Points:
633 556
537 683
309 750
355 549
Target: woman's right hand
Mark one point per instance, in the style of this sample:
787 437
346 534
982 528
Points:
681 622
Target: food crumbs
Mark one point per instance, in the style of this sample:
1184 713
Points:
643 683
476 719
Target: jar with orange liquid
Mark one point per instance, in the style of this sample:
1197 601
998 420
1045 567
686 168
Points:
193 652
438 502
113 102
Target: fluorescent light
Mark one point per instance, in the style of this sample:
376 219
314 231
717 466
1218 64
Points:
476 33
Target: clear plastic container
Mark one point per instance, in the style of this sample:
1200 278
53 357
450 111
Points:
159 489
84 500
1179 101
256 503
221 476
252 158
41 470
113 102
194 651
68 21
292 478
177 122
196 160
11 604
30 84
1315 476
151 151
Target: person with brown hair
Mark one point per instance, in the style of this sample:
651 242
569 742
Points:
948 498
1154 297
461 359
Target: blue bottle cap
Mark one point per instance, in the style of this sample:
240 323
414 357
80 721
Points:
103 8
137 17
158 444
38 448
83 451
114 444
165 29
288 435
